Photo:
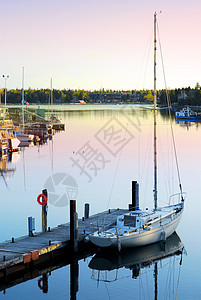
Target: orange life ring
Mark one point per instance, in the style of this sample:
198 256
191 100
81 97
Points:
44 201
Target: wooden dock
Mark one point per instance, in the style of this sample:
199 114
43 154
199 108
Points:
27 252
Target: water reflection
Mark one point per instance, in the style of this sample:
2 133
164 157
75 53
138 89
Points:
7 165
43 283
136 260
188 124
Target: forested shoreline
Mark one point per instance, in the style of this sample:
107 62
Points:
181 96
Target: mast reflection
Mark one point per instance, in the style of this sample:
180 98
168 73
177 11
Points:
136 259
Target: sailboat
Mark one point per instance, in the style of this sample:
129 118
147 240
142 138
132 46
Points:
56 123
21 135
143 227
187 114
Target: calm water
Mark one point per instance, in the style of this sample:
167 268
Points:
101 151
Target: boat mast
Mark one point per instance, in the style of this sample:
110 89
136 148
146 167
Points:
155 137
23 98
51 95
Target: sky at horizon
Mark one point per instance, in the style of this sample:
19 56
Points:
93 44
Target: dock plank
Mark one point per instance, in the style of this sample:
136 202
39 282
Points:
28 248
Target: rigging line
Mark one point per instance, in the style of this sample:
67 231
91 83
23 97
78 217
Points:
107 290
148 56
168 102
173 277
178 276
147 161
148 287
115 175
148 45
146 155
168 281
52 158
139 158
24 171
164 167
4 179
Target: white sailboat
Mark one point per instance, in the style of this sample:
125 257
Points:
138 227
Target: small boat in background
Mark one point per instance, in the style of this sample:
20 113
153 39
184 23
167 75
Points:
56 123
3 146
8 134
38 128
187 114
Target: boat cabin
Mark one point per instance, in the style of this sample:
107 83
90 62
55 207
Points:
130 221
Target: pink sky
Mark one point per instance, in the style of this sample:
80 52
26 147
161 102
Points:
97 43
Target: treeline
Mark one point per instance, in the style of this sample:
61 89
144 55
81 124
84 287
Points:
183 96
33 96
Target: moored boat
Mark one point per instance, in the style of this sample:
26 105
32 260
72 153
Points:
187 114
144 227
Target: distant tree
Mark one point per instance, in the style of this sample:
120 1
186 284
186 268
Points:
149 97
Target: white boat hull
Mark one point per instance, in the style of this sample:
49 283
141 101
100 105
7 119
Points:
13 143
138 239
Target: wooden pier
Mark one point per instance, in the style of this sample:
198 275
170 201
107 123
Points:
21 254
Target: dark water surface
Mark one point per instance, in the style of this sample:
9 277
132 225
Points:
101 151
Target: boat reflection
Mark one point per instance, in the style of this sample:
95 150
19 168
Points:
186 124
7 165
136 260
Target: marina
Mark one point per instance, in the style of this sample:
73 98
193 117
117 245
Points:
40 162
100 161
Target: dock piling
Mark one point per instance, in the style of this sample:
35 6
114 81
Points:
135 196
44 213
86 210
73 226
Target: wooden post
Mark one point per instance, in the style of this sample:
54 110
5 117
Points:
31 225
44 213
135 196
86 210
73 226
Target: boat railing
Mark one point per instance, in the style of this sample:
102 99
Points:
177 198
100 225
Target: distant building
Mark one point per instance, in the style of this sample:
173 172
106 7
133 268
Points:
182 96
